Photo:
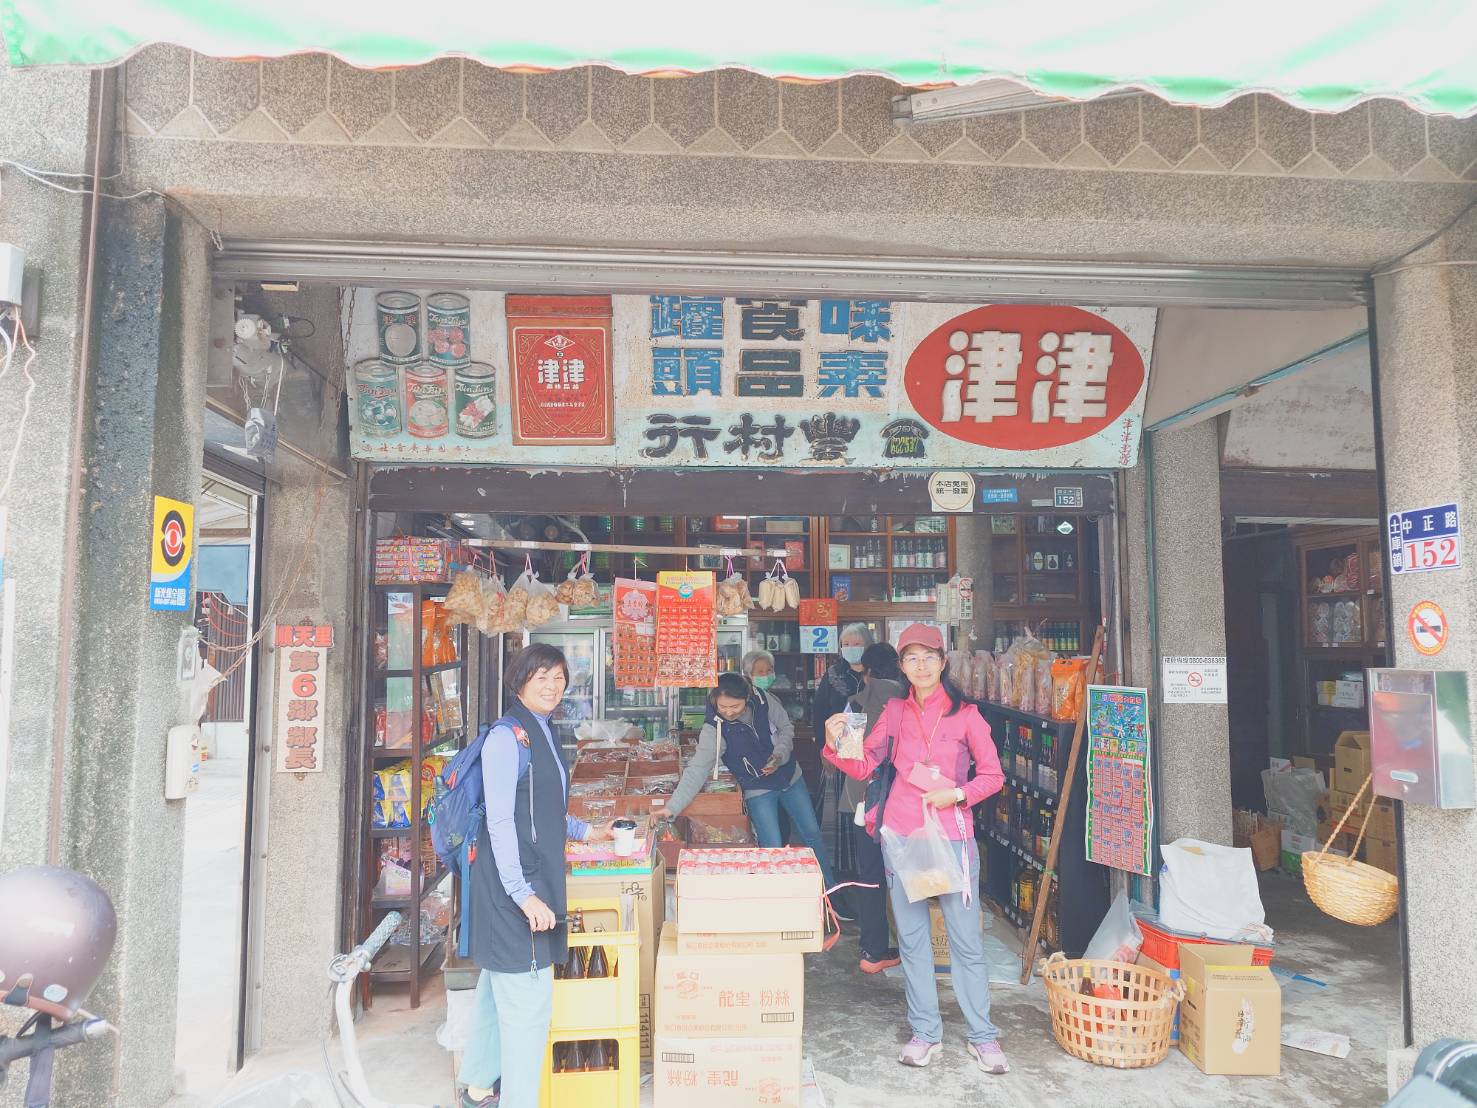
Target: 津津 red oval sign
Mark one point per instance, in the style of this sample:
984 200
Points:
1024 376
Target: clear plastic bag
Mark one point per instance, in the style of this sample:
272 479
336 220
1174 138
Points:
492 619
464 601
542 606
927 861
1118 938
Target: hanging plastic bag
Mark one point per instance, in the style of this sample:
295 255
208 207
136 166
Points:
542 606
494 595
927 861
564 591
783 590
1118 938
586 588
733 594
464 601
515 606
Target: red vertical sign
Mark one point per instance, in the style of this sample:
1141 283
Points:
559 354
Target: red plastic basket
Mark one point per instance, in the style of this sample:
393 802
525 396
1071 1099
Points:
1163 945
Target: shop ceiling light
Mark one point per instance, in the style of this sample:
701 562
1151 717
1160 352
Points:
988 97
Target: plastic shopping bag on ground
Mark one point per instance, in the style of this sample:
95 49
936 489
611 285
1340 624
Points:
927 861
1118 938
1206 889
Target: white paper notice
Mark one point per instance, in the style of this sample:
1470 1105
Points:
1318 1042
1194 680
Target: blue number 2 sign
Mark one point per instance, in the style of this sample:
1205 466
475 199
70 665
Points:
818 640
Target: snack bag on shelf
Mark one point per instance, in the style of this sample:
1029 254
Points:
960 666
1043 685
983 662
1068 681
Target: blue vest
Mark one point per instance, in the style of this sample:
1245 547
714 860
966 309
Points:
745 749
501 938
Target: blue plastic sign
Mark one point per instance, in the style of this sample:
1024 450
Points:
1425 539
819 640
1000 496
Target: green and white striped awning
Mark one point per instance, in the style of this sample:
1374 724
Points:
1317 54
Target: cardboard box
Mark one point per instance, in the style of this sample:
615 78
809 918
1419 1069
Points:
1231 1018
1381 812
708 995
1351 762
1293 847
745 901
1173 975
729 803
1382 854
649 893
726 1072
747 943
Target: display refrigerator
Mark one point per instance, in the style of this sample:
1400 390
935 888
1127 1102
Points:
589 647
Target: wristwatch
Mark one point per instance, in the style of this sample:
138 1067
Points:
960 794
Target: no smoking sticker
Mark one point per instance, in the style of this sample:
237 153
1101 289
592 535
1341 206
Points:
1428 628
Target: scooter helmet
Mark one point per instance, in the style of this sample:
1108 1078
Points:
57 928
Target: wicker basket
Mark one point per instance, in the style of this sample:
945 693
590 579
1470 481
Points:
1128 1031
1354 892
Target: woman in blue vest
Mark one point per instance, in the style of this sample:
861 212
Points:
750 732
517 904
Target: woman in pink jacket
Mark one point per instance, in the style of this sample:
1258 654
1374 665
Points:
934 734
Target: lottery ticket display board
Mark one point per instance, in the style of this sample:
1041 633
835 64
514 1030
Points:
633 605
1120 803
686 629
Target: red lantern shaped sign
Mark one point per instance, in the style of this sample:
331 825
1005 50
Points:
1024 377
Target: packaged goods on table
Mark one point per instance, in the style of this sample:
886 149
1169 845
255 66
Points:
610 785
749 898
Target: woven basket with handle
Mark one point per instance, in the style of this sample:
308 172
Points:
1354 892
1128 1029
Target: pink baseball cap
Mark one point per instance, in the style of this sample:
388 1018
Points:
921 634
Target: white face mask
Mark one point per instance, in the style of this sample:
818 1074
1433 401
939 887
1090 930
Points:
853 654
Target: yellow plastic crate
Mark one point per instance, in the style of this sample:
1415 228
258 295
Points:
617 1088
611 1005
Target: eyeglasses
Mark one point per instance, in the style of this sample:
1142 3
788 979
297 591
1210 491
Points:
929 659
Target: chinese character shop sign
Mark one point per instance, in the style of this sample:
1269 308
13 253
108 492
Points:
1025 377
669 379
302 677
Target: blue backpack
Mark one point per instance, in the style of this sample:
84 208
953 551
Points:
457 813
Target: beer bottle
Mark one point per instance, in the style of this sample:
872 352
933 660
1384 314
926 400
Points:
597 966
596 1055
561 1057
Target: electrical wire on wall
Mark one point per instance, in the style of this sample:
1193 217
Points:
20 429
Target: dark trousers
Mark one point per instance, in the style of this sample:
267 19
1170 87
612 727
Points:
871 904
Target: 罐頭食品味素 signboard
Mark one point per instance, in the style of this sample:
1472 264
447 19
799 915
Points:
1120 802
698 381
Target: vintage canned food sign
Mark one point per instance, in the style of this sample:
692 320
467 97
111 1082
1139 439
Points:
399 325
378 401
669 379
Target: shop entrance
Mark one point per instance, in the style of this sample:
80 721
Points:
214 898
873 545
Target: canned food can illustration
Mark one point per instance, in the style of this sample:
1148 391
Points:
425 401
398 316
378 399
476 401
449 328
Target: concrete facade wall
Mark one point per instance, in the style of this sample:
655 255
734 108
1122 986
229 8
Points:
307 567
1194 739
1427 326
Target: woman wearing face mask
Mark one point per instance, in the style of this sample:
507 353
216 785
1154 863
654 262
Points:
749 731
840 682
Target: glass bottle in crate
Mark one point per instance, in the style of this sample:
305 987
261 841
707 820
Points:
1045 820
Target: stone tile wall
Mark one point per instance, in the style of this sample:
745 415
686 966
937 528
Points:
315 99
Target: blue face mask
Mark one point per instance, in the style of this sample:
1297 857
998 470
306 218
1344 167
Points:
853 654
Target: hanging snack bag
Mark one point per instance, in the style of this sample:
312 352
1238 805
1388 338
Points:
542 606
564 591
490 618
1068 678
515 605
733 594
464 601
586 588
